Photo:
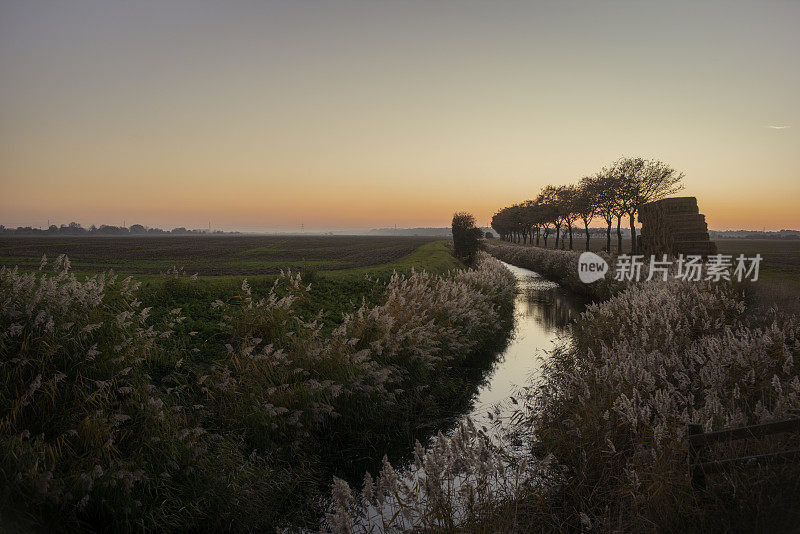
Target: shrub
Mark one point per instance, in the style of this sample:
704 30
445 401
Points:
466 237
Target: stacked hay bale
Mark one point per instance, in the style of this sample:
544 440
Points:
674 226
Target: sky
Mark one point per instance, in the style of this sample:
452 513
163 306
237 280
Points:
257 115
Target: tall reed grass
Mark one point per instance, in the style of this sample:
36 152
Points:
105 422
606 425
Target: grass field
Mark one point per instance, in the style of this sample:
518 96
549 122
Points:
776 253
341 270
781 263
212 255
336 291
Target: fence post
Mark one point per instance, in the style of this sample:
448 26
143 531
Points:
697 455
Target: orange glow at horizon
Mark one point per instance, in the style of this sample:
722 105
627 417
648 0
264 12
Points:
354 116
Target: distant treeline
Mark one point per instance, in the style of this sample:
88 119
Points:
74 228
754 234
428 232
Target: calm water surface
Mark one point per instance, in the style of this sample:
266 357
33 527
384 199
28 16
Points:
543 312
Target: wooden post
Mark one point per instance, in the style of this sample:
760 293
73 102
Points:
697 456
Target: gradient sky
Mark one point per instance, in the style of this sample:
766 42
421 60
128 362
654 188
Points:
263 115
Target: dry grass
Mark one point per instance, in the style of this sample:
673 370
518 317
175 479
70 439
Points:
607 422
110 423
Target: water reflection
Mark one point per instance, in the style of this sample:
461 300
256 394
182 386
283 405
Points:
543 314
547 304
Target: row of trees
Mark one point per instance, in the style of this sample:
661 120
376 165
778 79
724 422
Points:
610 195
74 228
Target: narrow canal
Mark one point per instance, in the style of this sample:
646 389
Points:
543 312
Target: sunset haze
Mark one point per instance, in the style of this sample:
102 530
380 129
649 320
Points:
262 116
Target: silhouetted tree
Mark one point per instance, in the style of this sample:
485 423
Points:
611 194
584 203
566 203
617 192
642 181
552 214
466 237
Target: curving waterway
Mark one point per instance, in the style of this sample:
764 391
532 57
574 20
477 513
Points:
543 313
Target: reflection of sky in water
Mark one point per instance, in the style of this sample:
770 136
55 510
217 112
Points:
543 312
